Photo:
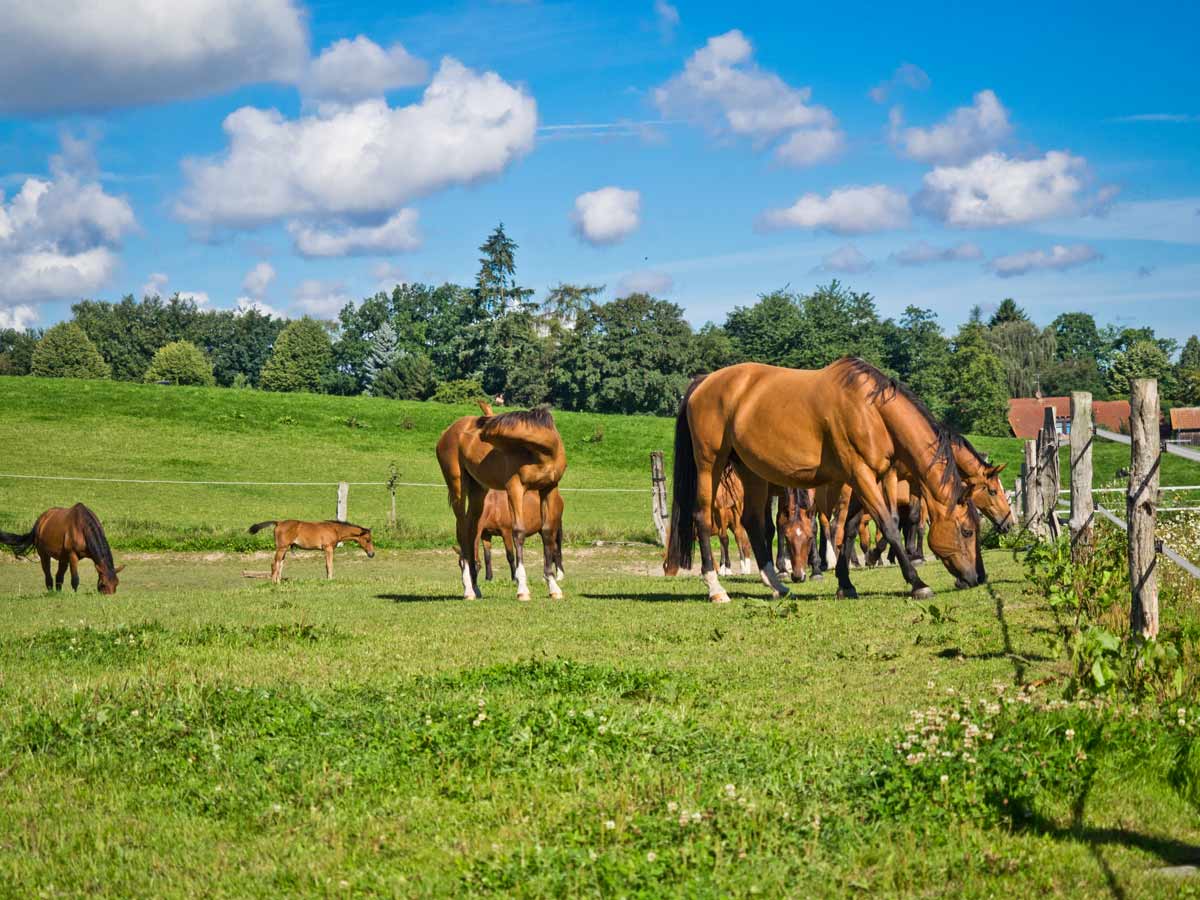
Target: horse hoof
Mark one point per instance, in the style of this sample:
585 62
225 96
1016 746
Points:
818 576
724 570
524 598
847 594
780 595
922 593
720 598
560 575
558 595
747 569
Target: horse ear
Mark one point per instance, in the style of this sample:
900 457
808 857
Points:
996 470
119 569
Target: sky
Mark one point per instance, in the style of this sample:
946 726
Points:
295 156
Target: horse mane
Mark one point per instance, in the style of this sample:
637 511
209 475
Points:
885 388
361 528
538 417
961 441
94 539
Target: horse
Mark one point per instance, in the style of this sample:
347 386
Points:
67 535
795 524
497 520
325 536
517 452
729 501
846 423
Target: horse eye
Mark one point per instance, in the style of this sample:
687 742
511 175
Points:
967 532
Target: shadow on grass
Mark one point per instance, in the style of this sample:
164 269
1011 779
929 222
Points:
419 598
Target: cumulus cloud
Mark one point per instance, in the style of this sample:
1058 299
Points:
156 284
846 260
645 282
200 298
67 56
322 299
906 75
606 216
363 161
58 235
244 305
396 234
723 89
668 17
353 70
18 317
850 210
922 253
258 279
994 190
387 275
966 133
1057 258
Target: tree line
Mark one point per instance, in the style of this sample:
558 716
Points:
634 354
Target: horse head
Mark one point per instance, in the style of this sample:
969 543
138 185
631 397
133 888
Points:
987 492
798 533
107 583
954 538
363 539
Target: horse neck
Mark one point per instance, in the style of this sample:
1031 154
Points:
966 461
917 441
96 544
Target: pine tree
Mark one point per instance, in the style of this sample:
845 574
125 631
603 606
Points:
65 351
496 283
381 355
301 358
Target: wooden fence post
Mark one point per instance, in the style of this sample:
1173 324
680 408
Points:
1082 508
1029 491
343 500
658 496
1141 506
393 477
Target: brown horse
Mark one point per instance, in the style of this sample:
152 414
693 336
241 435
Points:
497 520
325 536
795 523
517 452
730 499
846 423
67 535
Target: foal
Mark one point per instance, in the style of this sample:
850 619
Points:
313 536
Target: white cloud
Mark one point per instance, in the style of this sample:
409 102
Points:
366 160
58 234
200 298
906 75
18 317
244 304
668 17
258 279
1059 257
322 299
850 210
844 260
156 284
607 216
814 145
922 253
61 55
1173 221
722 89
398 233
1176 118
352 70
995 190
387 275
645 282
966 133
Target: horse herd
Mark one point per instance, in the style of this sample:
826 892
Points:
836 446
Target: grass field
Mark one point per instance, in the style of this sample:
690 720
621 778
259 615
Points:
132 431
201 733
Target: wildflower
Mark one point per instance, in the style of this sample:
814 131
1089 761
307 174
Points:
1070 734
945 779
482 703
672 806
428 720
593 855
603 729
930 685
609 824
730 791
696 817
651 856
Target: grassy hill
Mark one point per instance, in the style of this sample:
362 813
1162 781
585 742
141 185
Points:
133 431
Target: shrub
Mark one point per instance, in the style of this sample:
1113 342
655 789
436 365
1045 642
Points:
66 352
460 390
16 351
408 377
180 362
301 358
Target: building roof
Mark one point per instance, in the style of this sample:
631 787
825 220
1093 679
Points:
1185 418
1025 414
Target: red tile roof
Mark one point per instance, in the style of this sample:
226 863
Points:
1025 414
1185 418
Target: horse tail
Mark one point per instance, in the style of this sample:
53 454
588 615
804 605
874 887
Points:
259 526
684 474
485 408
19 544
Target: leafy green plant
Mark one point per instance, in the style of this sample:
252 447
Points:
180 362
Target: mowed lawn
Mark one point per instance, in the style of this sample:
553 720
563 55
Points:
202 733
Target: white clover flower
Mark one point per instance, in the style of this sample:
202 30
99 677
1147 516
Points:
651 856
609 824
672 806
945 779
1070 732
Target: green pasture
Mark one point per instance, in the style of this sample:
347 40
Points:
202 733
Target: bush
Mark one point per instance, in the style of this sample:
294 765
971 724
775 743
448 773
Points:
180 362
16 351
66 352
301 358
409 377
460 390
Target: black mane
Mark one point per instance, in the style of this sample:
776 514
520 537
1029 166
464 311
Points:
94 539
539 417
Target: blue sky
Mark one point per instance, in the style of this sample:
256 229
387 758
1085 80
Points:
710 152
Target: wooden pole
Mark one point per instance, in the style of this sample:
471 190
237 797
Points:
1083 510
343 500
658 496
1033 516
1141 506
1047 482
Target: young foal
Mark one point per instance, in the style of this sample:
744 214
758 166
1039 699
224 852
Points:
497 520
325 536
68 535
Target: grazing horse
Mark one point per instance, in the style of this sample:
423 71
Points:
847 423
497 520
518 452
730 499
67 535
795 523
325 536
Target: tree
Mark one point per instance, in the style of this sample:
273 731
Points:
1076 337
1006 312
459 390
382 355
238 343
1187 372
128 333
977 402
496 281
16 350
409 376
767 332
714 348
1025 351
66 352
920 355
180 362
565 302
1144 359
301 358
838 322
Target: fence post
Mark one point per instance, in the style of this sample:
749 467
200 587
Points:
1047 480
1082 508
1141 505
343 500
1029 490
393 477
658 495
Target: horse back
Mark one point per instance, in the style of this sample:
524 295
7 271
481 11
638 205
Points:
58 532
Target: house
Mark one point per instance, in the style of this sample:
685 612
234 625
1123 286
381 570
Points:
1025 415
1185 424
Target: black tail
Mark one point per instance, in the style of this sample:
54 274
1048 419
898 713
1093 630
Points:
259 526
682 538
19 544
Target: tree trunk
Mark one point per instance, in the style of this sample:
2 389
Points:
1141 506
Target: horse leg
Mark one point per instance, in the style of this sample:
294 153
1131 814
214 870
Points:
516 504
814 551
329 561
45 558
487 559
61 573
510 553
846 589
550 528
723 540
73 562
754 516
475 494
887 519
745 551
781 524
558 562
277 565
708 474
